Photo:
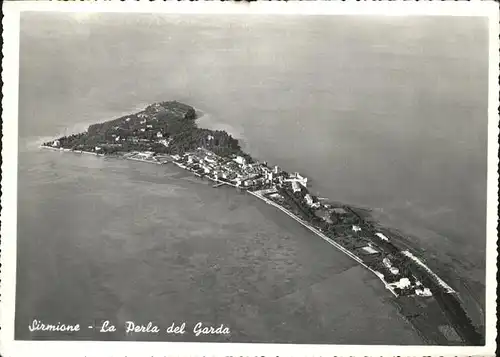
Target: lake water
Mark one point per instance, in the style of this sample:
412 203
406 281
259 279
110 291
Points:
387 114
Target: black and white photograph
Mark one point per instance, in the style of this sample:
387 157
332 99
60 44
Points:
224 175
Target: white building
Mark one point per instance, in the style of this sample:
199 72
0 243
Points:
403 283
295 187
296 177
389 266
394 270
356 228
381 236
117 138
299 178
423 292
56 143
369 250
310 201
240 160
159 134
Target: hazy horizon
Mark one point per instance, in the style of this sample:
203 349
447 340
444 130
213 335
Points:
386 113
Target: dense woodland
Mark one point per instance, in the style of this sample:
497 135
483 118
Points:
139 132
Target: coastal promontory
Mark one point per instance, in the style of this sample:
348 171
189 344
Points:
167 132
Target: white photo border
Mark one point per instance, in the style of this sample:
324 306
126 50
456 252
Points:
10 77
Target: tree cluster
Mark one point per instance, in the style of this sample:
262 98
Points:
139 132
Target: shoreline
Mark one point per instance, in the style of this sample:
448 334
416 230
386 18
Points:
324 237
258 195
440 292
266 200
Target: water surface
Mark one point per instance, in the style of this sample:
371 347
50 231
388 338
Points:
389 114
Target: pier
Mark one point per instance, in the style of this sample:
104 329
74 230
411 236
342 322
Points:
219 184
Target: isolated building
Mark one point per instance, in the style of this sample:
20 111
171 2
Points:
388 265
394 270
423 292
381 236
276 195
356 228
369 250
403 283
240 160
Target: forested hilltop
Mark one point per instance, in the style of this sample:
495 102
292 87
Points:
167 127
422 297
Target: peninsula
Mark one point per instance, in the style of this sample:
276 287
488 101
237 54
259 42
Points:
167 132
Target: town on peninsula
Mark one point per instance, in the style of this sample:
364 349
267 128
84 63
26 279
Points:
167 133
